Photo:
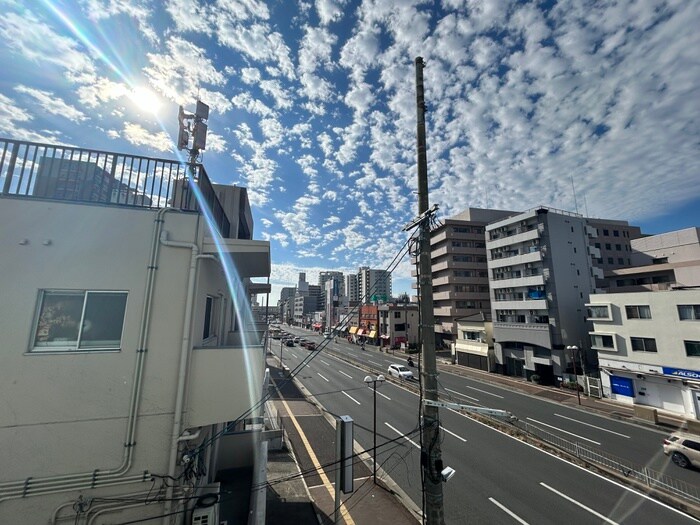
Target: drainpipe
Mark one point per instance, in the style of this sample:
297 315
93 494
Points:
106 477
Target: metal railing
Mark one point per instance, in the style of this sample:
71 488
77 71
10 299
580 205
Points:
633 471
65 173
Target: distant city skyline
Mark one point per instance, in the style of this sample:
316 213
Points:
313 107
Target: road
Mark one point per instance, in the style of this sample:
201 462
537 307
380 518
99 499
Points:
499 478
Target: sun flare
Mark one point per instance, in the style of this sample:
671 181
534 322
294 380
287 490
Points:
145 99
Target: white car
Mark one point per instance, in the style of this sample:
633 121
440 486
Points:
400 371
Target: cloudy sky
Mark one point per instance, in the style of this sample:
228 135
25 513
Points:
313 106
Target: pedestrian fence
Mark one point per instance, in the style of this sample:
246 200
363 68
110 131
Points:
633 471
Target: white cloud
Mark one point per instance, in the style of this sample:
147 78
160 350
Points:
139 136
329 10
52 104
215 143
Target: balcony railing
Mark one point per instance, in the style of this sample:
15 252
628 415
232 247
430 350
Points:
46 171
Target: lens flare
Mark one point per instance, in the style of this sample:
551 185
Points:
145 99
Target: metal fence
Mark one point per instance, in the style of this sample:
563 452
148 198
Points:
649 477
31 169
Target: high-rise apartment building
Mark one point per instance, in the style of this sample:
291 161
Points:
374 286
542 271
460 276
338 284
352 289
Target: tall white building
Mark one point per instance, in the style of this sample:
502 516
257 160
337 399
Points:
374 286
125 350
541 274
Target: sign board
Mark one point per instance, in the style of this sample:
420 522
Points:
681 372
622 385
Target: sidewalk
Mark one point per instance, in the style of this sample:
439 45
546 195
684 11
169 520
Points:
306 496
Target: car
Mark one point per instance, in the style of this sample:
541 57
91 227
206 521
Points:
289 342
684 449
296 340
400 371
310 345
327 334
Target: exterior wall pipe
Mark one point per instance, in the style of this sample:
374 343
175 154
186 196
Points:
184 359
55 518
36 486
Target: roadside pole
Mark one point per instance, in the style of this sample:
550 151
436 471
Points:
431 455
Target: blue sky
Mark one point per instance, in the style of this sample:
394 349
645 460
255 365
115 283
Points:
313 107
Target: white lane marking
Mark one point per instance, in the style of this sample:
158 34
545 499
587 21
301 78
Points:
401 434
564 431
375 363
325 379
453 434
583 469
484 391
355 400
572 500
346 375
461 394
589 425
385 397
293 355
325 362
509 512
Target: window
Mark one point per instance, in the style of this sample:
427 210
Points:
689 312
620 260
79 320
397 315
618 247
643 344
606 233
602 341
471 336
597 245
608 246
692 348
616 233
210 318
601 312
611 260
638 312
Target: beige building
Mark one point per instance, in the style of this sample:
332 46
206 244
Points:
474 344
398 323
460 274
128 351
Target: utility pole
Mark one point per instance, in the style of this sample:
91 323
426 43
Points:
431 455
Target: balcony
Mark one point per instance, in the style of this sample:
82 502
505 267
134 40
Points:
513 236
529 304
224 382
524 258
63 173
534 280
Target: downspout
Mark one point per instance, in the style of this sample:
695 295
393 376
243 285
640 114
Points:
97 477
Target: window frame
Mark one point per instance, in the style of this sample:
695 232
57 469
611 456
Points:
76 347
631 308
607 306
645 343
601 347
693 343
695 312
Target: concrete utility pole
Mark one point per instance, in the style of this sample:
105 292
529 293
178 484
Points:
431 455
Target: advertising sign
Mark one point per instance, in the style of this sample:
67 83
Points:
622 385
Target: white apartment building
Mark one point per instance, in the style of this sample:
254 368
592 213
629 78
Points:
125 348
541 274
374 286
648 346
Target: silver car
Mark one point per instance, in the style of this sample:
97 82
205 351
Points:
400 371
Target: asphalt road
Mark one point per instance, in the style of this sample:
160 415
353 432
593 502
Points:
499 478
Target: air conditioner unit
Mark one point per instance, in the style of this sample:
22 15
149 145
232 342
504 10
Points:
206 516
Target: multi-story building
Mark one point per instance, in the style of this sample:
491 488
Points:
128 351
398 324
614 242
460 276
474 345
541 273
286 304
352 289
648 346
338 280
374 286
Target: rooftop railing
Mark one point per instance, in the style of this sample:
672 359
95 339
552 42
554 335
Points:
65 173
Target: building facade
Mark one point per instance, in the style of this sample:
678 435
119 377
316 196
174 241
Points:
541 275
648 346
474 345
374 286
398 324
352 289
460 274
126 351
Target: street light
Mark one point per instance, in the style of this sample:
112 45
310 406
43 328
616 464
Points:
368 380
573 349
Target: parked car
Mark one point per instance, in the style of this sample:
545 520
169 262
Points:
683 448
400 371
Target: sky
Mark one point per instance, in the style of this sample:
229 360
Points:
588 105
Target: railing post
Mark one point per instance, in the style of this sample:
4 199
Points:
11 168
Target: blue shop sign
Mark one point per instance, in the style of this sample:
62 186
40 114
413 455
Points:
681 372
622 385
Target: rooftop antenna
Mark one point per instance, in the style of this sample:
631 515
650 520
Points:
585 204
193 125
574 190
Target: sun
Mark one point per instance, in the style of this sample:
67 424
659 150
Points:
145 99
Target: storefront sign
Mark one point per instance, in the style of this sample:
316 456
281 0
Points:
622 385
680 372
